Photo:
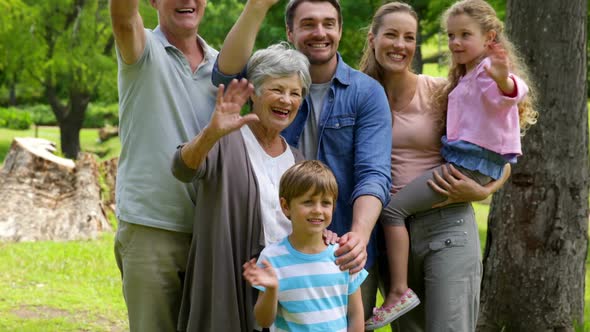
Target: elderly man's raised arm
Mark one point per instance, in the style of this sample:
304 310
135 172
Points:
128 29
239 42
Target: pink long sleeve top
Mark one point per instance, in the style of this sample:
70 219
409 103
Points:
479 113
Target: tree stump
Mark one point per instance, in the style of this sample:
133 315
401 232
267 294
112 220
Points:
107 132
108 169
45 197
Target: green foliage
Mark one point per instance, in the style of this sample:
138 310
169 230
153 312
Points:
61 286
99 115
41 115
357 18
219 18
14 118
17 48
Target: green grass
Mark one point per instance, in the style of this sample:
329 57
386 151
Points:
61 286
88 140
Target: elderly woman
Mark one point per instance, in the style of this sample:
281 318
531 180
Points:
237 162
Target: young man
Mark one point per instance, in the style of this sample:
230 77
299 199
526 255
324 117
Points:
165 98
345 121
301 289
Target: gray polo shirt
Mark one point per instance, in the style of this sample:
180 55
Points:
162 103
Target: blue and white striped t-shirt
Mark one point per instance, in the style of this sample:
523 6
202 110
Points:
313 292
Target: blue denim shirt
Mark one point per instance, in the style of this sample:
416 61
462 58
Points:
354 141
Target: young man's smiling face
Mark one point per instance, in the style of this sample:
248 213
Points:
316 31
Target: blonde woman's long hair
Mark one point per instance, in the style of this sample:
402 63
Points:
368 63
486 17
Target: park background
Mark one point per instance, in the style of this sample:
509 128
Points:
58 81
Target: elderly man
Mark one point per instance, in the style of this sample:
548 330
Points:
165 98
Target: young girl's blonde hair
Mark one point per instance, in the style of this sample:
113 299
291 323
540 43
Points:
486 17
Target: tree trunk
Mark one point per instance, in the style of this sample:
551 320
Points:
418 64
45 197
12 94
69 134
69 117
71 124
534 261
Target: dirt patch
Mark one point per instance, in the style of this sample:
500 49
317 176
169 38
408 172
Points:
36 312
44 312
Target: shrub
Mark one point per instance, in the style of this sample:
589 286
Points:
98 115
41 115
14 118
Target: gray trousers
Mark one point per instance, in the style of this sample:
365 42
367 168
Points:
152 262
444 270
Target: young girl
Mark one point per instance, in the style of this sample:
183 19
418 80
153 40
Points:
488 108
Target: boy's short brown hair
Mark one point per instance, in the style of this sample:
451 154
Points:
306 175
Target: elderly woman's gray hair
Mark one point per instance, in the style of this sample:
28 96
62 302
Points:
278 60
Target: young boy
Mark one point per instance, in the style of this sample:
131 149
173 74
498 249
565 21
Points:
301 287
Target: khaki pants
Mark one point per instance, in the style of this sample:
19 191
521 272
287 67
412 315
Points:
152 262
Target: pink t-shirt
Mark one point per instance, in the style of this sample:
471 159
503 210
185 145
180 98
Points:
479 113
416 135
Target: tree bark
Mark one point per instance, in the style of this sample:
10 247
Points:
534 261
69 133
108 169
45 197
70 117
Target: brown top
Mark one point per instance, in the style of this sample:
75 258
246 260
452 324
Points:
416 135
227 232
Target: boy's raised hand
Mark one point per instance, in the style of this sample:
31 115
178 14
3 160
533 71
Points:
260 276
226 117
499 68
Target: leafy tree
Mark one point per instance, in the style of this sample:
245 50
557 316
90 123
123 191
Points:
15 23
73 58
